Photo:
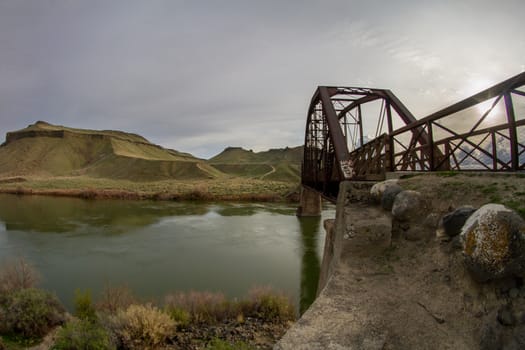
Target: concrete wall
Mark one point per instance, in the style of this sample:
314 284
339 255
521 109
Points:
310 203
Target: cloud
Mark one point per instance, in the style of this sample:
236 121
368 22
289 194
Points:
201 75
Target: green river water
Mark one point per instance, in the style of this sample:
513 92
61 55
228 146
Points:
155 247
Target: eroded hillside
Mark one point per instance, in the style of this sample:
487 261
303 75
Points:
275 164
43 149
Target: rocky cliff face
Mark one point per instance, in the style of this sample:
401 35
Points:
13 136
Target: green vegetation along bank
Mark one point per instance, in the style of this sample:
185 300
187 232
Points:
195 320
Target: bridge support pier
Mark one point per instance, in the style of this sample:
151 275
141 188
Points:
310 203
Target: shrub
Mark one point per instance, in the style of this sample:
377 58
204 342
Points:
181 317
204 307
17 274
83 334
115 298
266 304
84 306
199 192
142 326
31 313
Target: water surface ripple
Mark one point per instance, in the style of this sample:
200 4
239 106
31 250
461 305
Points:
156 247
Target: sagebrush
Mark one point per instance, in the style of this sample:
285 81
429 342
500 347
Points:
206 307
113 299
203 307
31 313
267 304
17 274
84 308
142 327
83 334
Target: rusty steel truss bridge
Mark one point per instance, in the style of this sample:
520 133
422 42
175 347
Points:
355 133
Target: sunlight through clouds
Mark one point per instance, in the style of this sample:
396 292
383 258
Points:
198 76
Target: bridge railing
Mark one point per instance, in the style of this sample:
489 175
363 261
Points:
372 160
483 132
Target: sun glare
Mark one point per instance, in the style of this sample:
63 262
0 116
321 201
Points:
477 85
496 112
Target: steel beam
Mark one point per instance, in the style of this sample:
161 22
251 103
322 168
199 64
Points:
326 147
336 134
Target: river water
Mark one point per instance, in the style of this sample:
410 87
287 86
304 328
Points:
156 247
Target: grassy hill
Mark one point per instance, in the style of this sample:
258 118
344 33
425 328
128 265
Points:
43 149
57 160
276 164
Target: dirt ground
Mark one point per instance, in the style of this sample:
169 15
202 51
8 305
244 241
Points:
451 190
401 294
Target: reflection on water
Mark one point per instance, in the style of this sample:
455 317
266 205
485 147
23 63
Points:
310 262
159 247
51 214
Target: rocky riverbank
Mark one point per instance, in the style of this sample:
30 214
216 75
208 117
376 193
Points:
417 270
255 333
251 333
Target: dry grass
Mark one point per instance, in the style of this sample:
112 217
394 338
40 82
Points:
142 327
232 189
17 274
204 307
450 190
113 299
267 304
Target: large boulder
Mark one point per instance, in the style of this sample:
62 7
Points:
453 222
409 205
409 214
493 241
389 195
376 192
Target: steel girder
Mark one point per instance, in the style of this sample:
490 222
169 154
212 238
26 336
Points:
327 157
429 144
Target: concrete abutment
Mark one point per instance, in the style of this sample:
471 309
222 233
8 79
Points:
310 203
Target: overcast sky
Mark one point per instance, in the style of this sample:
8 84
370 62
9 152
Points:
198 76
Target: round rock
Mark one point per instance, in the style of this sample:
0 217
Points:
453 222
408 205
389 195
493 240
376 192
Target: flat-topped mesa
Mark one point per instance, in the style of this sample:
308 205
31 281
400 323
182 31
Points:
45 129
17 135
43 149
233 148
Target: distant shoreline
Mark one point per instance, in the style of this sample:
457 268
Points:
118 194
90 188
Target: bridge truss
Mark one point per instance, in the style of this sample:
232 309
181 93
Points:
355 133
